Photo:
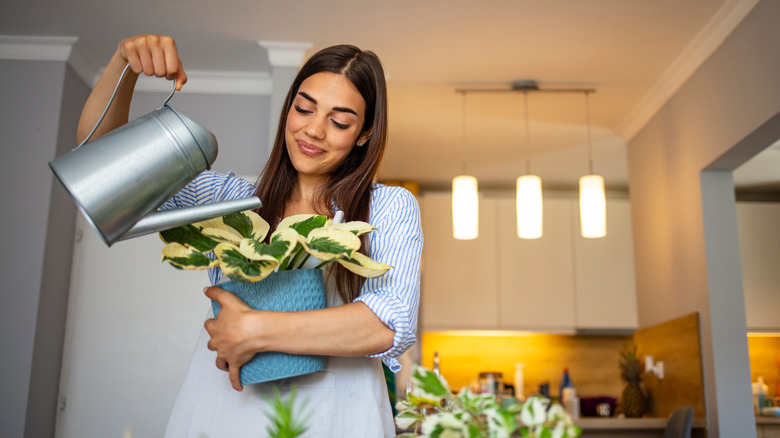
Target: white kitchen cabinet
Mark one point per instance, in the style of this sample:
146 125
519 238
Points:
535 276
759 245
604 277
558 283
459 281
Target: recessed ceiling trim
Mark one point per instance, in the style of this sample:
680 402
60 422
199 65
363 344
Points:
701 47
213 82
36 48
285 54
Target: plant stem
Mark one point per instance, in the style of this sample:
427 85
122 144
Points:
323 264
290 261
303 262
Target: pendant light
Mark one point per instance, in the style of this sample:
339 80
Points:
465 202
593 204
528 201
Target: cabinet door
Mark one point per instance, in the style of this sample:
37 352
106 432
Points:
604 272
458 276
759 247
535 277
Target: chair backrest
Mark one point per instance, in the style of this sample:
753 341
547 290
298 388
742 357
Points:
679 425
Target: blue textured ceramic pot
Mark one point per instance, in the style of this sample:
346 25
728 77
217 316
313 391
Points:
283 291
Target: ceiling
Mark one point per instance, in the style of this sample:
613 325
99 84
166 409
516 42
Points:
633 53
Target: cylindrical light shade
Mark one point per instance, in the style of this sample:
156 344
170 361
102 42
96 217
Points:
529 207
593 207
465 208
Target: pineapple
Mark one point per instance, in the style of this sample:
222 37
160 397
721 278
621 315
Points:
633 399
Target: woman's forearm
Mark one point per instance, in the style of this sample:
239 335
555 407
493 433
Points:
119 111
349 330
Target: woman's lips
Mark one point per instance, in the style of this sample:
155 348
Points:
309 149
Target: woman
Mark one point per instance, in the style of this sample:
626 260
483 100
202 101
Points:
329 144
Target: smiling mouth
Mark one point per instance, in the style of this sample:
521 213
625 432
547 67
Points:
309 149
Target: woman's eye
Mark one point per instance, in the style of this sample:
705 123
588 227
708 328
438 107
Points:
301 110
339 125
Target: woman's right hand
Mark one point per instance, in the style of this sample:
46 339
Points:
153 55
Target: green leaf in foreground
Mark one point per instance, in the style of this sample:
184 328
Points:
364 266
236 266
248 224
184 257
189 235
303 223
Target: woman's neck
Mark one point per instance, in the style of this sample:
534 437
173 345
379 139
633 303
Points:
302 199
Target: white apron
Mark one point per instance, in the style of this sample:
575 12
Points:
347 399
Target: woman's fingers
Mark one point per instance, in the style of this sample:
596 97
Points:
154 55
235 378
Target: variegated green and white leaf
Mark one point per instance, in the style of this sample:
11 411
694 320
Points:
248 224
209 223
303 223
288 235
223 234
185 257
364 266
237 267
357 227
330 243
189 235
276 250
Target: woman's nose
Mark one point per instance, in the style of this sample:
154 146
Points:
316 127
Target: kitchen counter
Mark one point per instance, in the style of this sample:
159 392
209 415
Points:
768 420
632 427
767 427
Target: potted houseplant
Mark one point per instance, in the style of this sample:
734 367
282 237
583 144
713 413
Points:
471 415
272 274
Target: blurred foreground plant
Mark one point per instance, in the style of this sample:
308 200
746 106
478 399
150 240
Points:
286 421
476 415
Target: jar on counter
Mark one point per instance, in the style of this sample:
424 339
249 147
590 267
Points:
491 382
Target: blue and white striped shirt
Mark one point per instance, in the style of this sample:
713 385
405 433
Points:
393 297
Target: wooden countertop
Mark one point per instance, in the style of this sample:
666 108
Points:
767 420
593 423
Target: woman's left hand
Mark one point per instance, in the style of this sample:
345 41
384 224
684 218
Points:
233 333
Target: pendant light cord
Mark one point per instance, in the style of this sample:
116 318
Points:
587 122
527 134
463 134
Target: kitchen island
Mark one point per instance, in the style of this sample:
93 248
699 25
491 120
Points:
632 427
768 427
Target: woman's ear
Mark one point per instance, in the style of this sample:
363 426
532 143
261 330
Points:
364 138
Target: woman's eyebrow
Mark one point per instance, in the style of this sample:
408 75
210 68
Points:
342 109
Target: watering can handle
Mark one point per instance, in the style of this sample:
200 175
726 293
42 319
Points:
111 100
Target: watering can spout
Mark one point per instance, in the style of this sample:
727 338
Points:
167 219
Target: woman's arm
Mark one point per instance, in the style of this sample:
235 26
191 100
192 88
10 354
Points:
239 332
153 55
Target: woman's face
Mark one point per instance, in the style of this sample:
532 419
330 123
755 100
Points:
324 123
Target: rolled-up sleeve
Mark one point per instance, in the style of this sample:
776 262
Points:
394 297
209 187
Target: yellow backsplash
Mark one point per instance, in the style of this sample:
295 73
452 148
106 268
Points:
764 354
592 360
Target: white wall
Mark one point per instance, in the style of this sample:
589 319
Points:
729 97
36 97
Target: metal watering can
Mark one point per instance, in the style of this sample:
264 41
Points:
120 179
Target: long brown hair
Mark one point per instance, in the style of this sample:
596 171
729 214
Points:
350 184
